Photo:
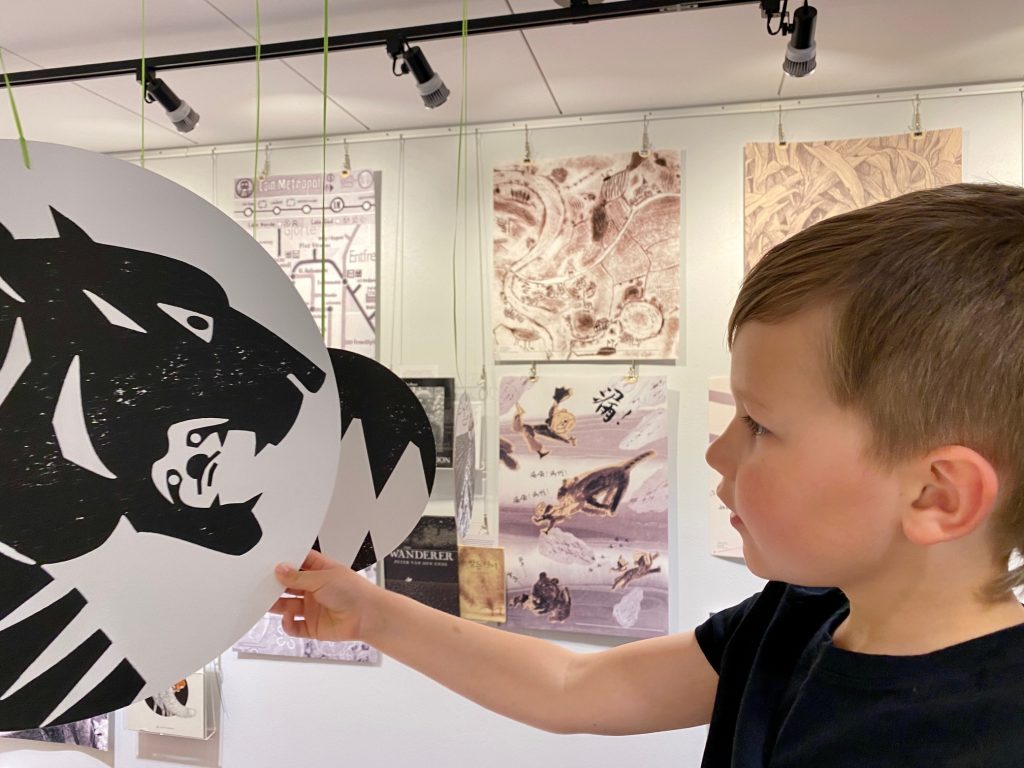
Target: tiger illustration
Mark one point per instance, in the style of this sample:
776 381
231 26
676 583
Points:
130 389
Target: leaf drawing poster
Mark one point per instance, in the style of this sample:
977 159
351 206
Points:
583 504
341 288
787 188
586 258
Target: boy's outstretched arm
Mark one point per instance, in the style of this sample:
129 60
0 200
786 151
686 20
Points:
643 686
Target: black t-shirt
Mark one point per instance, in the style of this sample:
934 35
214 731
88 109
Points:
788 698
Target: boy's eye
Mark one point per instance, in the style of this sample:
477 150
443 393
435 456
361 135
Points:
755 429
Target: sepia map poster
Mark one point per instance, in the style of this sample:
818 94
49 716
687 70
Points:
586 258
725 540
343 287
788 187
583 495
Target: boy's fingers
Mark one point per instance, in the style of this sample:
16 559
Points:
316 561
308 581
293 626
281 605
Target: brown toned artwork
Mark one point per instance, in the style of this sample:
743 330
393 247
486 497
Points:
482 583
586 258
788 187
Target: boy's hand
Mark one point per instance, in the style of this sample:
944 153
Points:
323 601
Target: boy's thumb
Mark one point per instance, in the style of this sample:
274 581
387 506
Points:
306 580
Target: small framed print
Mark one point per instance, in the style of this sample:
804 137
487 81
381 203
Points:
437 396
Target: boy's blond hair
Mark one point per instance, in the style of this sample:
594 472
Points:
926 293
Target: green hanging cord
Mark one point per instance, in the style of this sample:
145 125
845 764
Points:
458 182
14 111
323 195
256 161
142 73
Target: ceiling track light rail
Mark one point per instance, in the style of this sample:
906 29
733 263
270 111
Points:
575 13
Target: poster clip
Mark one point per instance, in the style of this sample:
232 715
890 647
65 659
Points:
533 373
782 134
265 170
527 153
346 166
915 126
634 373
645 144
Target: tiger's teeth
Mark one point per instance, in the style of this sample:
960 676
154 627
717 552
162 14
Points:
69 425
104 665
72 636
42 599
15 361
6 288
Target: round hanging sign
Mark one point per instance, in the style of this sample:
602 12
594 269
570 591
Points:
169 424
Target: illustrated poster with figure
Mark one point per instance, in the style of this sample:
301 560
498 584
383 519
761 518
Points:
586 258
169 426
178 710
583 495
342 288
789 187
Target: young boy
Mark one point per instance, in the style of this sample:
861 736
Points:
876 460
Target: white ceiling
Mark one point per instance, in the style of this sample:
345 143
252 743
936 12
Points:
666 60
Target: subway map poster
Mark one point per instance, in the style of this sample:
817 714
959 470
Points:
341 289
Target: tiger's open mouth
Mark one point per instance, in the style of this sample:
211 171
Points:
207 464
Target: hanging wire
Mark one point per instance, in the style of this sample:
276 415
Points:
459 158
142 84
256 159
397 286
483 262
323 190
14 112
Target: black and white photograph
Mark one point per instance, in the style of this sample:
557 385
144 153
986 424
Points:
437 396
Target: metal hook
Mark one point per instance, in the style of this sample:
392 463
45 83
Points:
645 146
634 373
346 166
915 126
533 373
265 170
782 134
527 155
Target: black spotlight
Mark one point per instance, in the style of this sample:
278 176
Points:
801 53
432 89
178 111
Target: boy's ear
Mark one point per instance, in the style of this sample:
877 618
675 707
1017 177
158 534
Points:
955 491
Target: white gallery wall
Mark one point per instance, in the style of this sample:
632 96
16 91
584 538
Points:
288 713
